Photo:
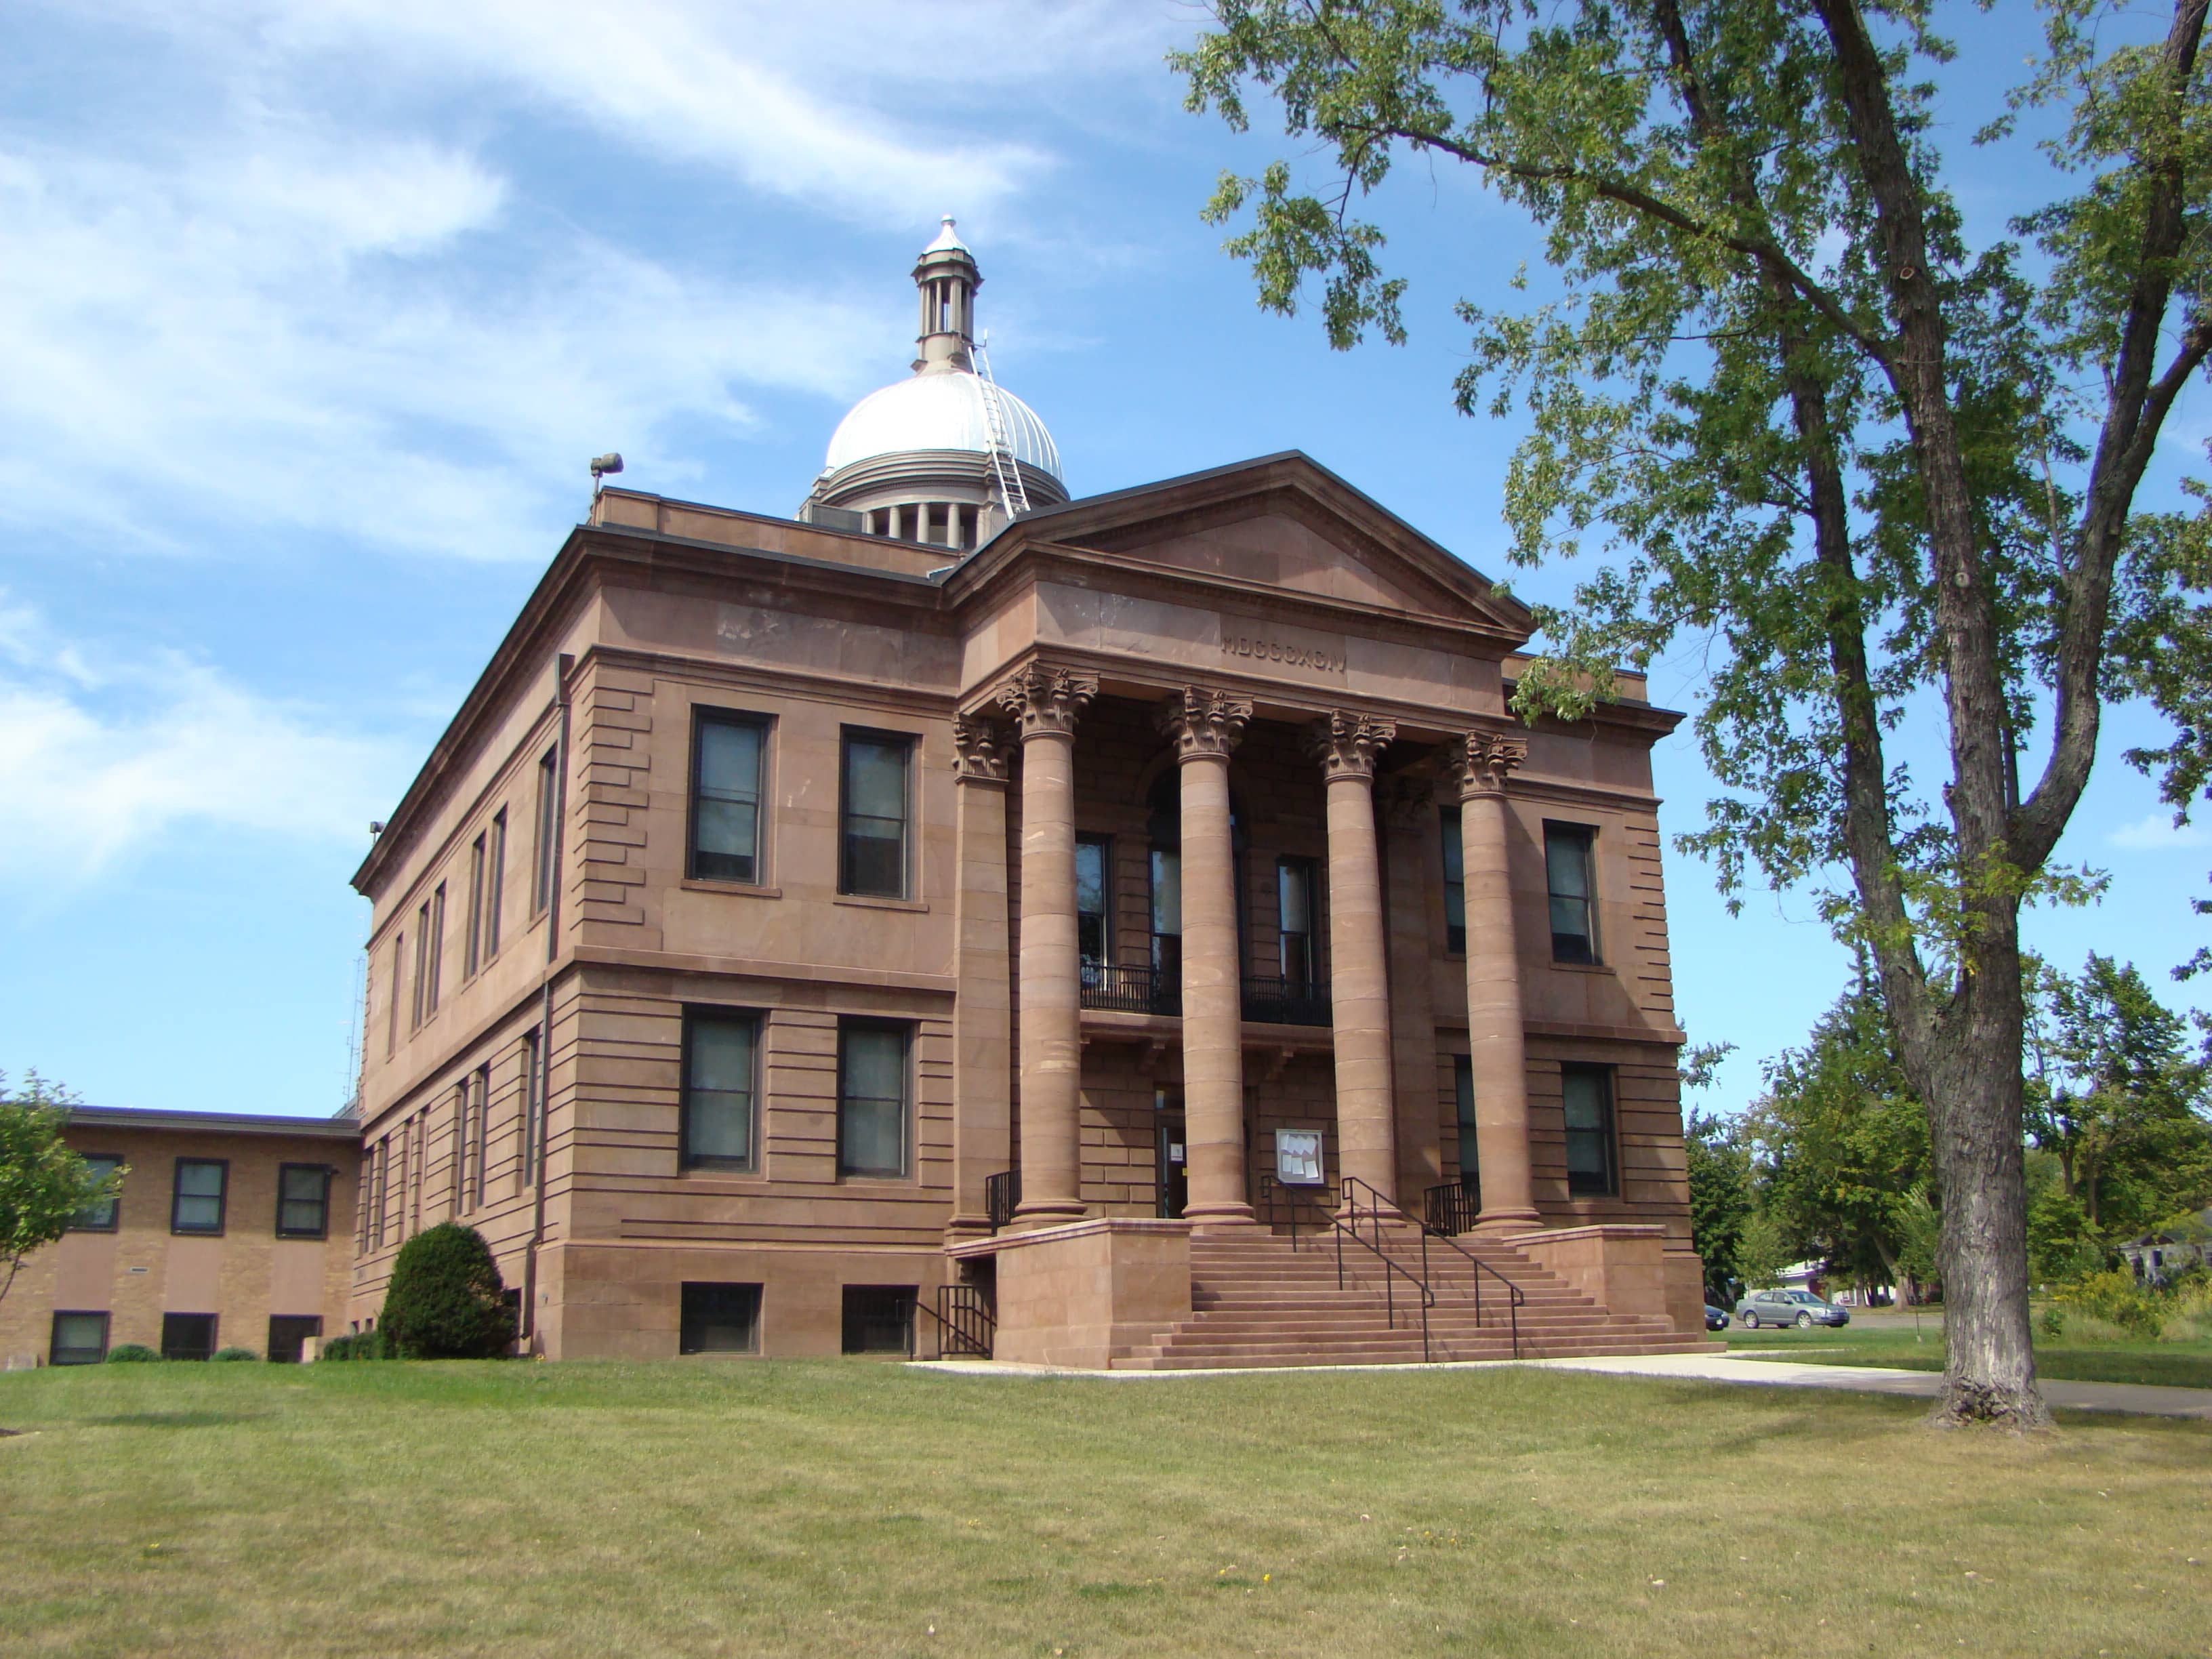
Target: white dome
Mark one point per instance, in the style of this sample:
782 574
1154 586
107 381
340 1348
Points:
942 410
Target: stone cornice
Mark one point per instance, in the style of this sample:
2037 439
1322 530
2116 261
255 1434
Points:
1203 722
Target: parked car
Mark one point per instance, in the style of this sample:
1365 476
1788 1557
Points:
1716 1318
1799 1308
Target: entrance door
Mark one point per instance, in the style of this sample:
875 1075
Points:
1173 1155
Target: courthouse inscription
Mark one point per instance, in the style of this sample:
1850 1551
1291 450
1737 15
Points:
1260 648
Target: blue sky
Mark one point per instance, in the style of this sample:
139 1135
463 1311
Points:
310 314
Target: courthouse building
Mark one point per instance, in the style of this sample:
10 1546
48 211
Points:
960 914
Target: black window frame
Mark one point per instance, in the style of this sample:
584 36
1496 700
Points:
533 1089
322 1229
694 1015
284 1345
1583 836
703 717
398 972
435 955
905 743
176 1195
473 947
1463 1115
905 1031
173 1348
114 1206
54 1335
1452 826
542 876
495 885
1607 1134
482 1136
693 1312
416 1011
1102 920
1307 872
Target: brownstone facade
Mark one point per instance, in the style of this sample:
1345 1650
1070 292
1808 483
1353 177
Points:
249 1245
1111 857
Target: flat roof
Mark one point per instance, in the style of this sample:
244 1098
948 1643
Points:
248 1124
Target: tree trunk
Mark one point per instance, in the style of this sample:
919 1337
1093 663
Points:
1972 1090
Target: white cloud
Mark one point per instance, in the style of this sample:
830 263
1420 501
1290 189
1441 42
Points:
2157 833
96 764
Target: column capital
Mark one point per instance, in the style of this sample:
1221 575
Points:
1346 743
979 745
1486 762
1045 699
1203 721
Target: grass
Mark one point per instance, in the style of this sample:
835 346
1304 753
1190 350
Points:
1890 1339
840 1509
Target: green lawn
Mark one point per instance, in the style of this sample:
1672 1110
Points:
1889 1340
859 1508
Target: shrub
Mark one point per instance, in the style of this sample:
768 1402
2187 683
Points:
133 1353
2053 1322
446 1300
235 1355
361 1345
2116 1298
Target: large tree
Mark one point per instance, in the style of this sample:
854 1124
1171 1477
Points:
1889 475
42 1184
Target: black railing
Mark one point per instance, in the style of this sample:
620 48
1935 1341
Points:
1140 990
1273 1001
1345 1225
1452 1208
1002 1196
1279 1203
967 1323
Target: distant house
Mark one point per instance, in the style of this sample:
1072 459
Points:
2158 1257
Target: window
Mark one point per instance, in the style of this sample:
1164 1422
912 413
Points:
187 1336
391 1028
437 948
1591 1166
532 1086
1094 860
1294 895
382 1157
549 822
1167 914
495 884
196 1205
421 963
1454 884
483 1135
79 1339
720 1319
874 814
303 1200
1470 1154
456 1160
1567 865
288 1335
726 756
102 1217
473 947
872 1098
879 1318
721 1063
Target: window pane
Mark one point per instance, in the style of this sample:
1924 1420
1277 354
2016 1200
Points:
871 1130
879 1318
725 820
1090 878
720 1319
302 1204
1295 892
80 1339
1587 1099
1469 1139
1567 856
719 1094
187 1336
100 1217
875 780
1455 885
1167 891
288 1332
198 1207
875 818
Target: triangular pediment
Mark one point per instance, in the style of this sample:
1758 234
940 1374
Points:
1287 523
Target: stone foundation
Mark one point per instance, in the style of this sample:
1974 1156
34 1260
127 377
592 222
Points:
1077 1295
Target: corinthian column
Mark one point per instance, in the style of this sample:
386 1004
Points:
1496 1039
1205 726
982 1015
1347 746
1047 701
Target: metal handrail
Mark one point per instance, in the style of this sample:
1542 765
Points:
1280 1199
1002 1196
1350 1203
1452 1206
1131 988
964 1314
1515 1297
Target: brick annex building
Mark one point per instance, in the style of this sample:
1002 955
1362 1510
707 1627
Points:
961 915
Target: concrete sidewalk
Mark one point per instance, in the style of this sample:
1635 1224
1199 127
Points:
2142 1399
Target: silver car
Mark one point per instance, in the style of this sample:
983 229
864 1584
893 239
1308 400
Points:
1799 1308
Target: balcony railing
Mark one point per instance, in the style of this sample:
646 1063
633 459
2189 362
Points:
1276 1001
1143 990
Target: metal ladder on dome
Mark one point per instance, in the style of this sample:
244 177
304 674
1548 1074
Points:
1003 465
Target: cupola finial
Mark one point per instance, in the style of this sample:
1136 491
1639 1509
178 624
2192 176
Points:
948 279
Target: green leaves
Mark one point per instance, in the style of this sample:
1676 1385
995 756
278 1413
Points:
42 1184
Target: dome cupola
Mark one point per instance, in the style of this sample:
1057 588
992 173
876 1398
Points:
946 456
